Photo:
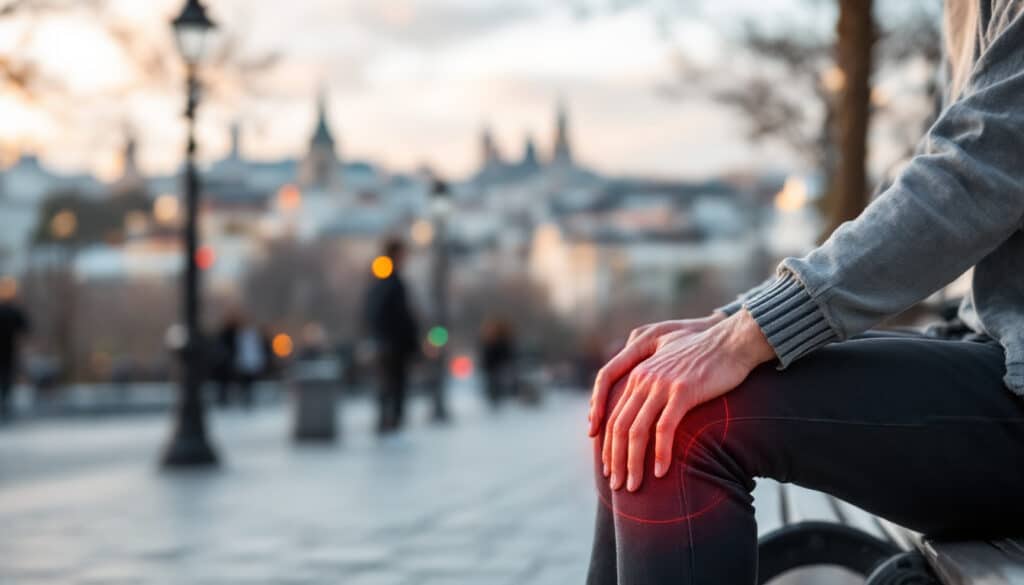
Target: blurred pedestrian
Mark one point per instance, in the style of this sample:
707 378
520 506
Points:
14 325
227 350
497 358
243 356
252 359
394 331
314 342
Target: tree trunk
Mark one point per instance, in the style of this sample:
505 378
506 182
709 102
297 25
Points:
856 38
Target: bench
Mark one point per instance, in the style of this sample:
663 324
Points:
803 528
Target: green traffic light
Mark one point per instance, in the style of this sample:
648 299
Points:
437 336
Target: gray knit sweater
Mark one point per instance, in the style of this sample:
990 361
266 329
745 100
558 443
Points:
958 204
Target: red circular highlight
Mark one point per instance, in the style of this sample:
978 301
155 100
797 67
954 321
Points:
462 367
686 452
205 257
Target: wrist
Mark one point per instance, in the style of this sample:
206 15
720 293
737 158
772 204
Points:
748 339
717 316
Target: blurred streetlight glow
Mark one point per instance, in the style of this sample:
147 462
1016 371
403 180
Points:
422 233
205 257
793 195
834 79
64 224
289 198
8 288
382 267
176 337
166 209
437 336
282 345
879 97
462 367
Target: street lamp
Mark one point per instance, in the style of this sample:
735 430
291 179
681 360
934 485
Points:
189 445
440 210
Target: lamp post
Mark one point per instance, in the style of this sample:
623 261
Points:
189 445
440 210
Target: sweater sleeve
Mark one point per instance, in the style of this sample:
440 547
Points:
737 303
953 204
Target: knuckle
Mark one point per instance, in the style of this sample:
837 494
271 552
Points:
620 430
637 433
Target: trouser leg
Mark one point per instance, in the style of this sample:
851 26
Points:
6 385
399 391
919 431
245 389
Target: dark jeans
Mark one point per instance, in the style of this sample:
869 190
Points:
917 430
391 394
243 383
6 385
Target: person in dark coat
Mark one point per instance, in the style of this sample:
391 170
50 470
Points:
394 330
497 359
14 325
227 351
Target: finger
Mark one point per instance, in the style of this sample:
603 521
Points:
620 438
617 367
639 436
636 333
665 431
606 447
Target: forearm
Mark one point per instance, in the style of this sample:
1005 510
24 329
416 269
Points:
955 203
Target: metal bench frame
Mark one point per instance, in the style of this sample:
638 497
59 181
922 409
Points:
887 555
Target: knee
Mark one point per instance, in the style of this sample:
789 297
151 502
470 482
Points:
721 437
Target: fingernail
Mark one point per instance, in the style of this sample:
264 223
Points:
631 483
614 483
659 468
605 472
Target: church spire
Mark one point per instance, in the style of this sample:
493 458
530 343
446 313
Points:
322 134
562 154
236 141
320 168
131 177
489 154
529 154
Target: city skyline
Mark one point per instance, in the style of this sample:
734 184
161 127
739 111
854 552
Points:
408 84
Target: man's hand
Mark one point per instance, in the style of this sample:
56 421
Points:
683 370
641 345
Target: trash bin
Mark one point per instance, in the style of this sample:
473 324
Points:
314 389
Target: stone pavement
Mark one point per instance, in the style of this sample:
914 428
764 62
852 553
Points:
495 498
501 498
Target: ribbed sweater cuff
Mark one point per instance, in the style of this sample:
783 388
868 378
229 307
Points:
790 319
731 307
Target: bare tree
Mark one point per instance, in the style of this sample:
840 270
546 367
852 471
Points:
854 47
814 91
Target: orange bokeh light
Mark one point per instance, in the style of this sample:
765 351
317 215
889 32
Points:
382 267
289 197
205 257
462 367
282 345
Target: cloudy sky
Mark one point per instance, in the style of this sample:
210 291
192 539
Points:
410 82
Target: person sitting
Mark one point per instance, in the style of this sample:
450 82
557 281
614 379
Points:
925 430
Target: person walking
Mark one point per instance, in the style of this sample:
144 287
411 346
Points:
497 359
924 430
394 330
227 356
14 325
252 359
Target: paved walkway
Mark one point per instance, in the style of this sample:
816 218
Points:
495 498
492 499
